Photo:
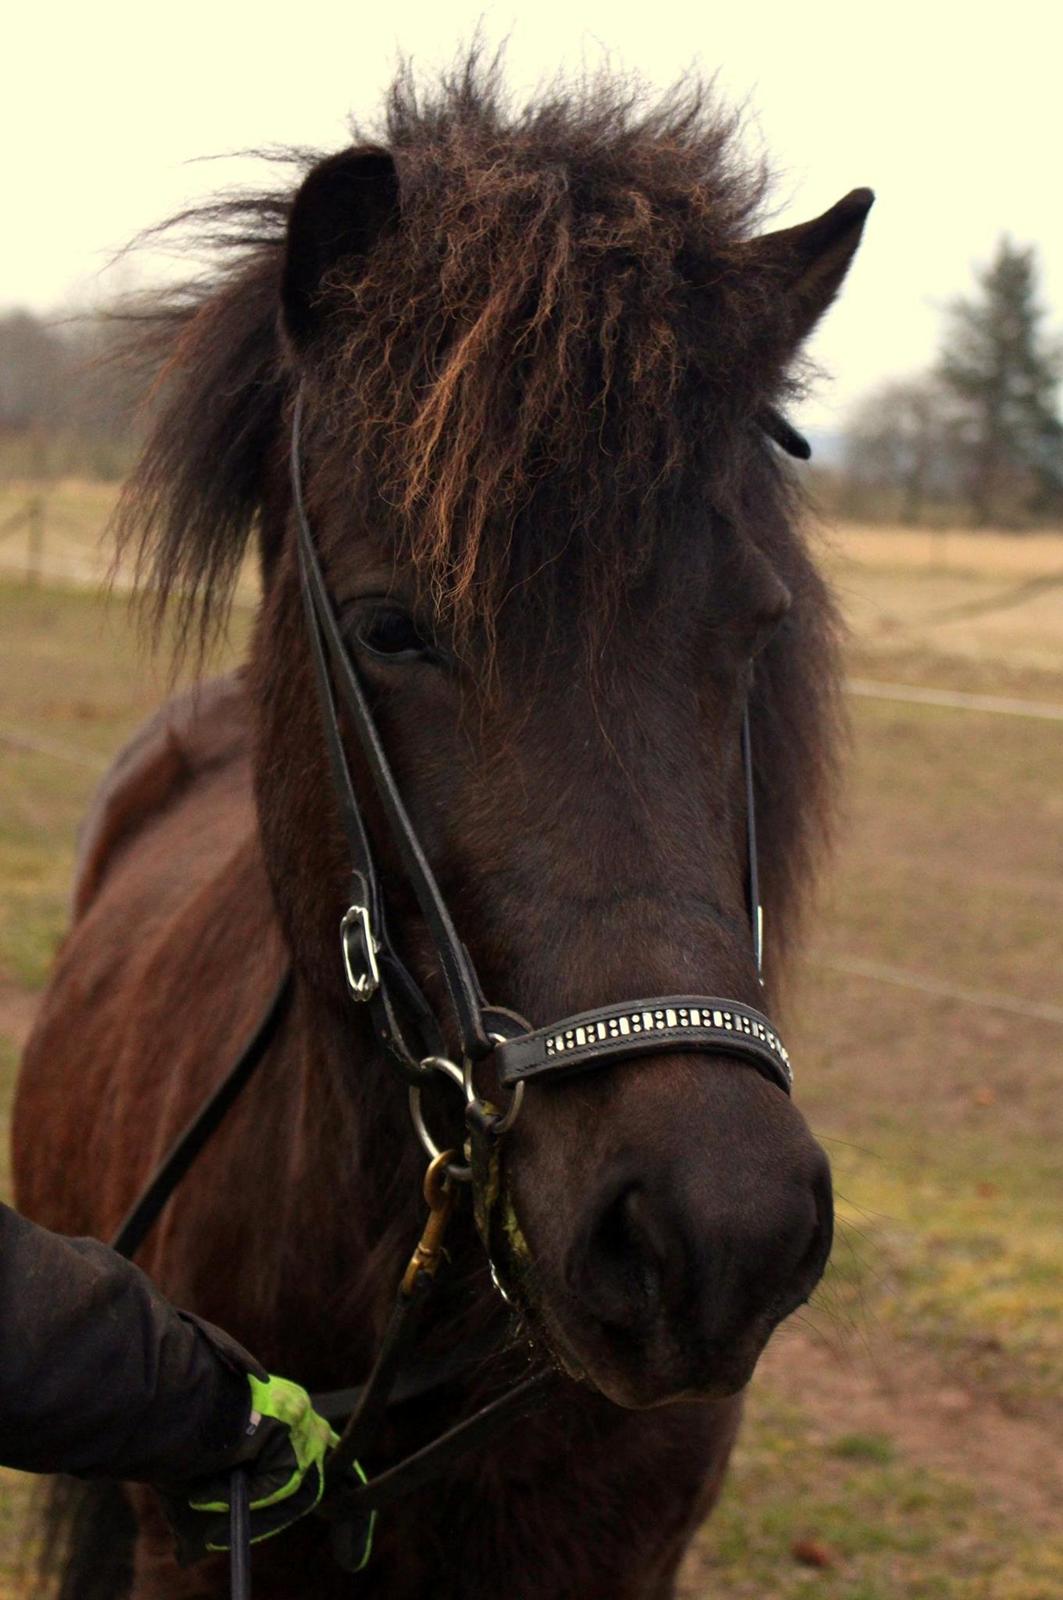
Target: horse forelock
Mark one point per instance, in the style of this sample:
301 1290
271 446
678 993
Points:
553 352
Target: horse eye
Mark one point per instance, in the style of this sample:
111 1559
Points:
391 633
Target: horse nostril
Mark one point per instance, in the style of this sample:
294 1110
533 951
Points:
685 1262
627 1261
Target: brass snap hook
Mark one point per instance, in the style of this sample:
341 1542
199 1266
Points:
439 1195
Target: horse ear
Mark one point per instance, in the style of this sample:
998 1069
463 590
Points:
343 206
809 262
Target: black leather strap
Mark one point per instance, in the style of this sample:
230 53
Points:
362 1424
457 970
418 1378
438 1457
145 1209
642 1027
756 914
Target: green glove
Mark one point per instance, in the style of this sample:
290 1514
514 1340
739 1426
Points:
283 1454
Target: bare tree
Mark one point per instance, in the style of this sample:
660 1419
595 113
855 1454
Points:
34 361
901 447
65 405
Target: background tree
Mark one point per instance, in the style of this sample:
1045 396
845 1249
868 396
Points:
65 404
34 363
1001 369
901 455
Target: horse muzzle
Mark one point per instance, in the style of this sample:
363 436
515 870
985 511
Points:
674 1257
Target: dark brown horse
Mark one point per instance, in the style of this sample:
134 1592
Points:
533 349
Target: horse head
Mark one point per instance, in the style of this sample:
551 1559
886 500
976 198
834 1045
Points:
566 563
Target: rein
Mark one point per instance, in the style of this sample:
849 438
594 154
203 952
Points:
411 1037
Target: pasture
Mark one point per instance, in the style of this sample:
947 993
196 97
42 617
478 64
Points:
902 1435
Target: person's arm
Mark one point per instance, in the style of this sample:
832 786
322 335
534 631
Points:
100 1375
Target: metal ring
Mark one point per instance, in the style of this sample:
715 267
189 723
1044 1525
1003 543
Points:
454 1072
503 1123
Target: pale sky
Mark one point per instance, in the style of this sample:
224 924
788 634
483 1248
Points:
950 111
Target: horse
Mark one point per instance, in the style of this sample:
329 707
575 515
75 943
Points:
539 356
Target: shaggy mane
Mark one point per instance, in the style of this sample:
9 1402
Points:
538 363
543 377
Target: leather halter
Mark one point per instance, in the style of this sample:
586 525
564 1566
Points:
377 977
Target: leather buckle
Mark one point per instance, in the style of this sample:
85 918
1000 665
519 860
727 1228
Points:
359 953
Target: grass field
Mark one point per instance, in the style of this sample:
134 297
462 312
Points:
904 1433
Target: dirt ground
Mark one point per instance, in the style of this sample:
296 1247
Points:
936 1421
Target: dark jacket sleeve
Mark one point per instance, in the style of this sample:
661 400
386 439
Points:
100 1375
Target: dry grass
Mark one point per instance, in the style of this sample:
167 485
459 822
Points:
75 543
75 547
957 550
962 610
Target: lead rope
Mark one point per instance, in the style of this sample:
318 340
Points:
145 1210
344 1499
239 1537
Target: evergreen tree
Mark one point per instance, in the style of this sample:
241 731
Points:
1002 370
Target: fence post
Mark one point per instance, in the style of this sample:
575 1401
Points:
35 540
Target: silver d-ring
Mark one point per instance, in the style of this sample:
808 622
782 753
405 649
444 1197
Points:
454 1072
503 1123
